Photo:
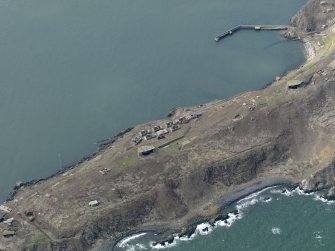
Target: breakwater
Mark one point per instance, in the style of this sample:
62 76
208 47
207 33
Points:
250 27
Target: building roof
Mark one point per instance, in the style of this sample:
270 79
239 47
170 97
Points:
145 149
8 232
294 83
162 132
93 203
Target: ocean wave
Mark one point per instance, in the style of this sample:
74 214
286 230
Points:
246 204
276 191
204 228
317 235
163 246
324 200
229 221
289 193
299 191
266 199
255 194
125 241
136 247
252 200
276 230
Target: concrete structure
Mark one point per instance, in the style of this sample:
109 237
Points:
162 132
137 140
9 222
175 128
149 136
8 233
145 132
294 84
145 150
157 128
5 209
250 27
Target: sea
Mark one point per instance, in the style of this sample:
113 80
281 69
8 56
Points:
273 219
75 72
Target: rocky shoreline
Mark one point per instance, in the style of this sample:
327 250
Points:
222 215
205 225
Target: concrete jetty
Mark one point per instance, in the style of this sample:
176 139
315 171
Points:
250 27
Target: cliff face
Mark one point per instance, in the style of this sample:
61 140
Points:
274 133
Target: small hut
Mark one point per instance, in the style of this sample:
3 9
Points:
294 84
93 203
145 150
8 233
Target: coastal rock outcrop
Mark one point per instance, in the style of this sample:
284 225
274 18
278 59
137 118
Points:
315 16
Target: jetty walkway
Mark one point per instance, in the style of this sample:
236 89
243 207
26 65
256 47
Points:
250 27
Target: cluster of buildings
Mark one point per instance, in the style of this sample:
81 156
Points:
159 131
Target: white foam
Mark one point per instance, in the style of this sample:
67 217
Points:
320 198
276 191
317 235
232 217
166 245
246 204
299 191
124 242
267 200
250 200
186 238
199 231
253 195
276 230
288 193
229 221
200 228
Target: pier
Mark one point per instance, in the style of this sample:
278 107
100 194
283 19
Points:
250 27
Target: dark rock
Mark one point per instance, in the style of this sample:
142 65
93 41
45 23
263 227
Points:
170 240
222 217
172 112
235 212
188 232
267 198
205 229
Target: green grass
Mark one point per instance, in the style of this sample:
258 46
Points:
130 160
40 241
172 149
276 97
329 43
